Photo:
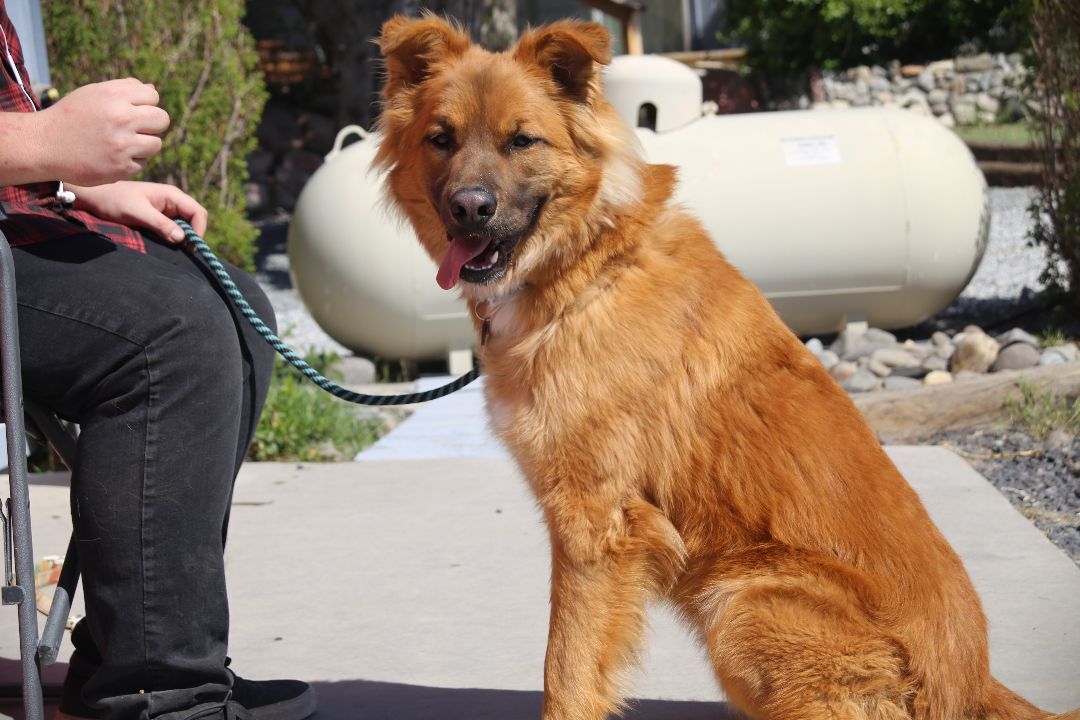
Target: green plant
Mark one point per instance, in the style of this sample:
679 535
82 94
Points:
1041 412
786 37
202 62
1056 210
301 422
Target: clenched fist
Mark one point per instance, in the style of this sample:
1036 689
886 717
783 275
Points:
104 132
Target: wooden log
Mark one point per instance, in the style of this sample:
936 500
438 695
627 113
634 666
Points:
904 416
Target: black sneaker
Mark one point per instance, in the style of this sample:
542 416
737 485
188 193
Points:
274 699
263 699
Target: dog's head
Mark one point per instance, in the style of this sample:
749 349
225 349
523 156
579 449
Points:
501 161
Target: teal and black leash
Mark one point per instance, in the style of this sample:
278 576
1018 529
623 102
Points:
226 283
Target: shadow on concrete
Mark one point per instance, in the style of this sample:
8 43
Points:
11 687
373 700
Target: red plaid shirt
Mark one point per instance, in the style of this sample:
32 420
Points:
34 213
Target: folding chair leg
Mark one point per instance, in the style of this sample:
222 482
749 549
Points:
23 592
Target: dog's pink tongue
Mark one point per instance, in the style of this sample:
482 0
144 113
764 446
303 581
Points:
462 250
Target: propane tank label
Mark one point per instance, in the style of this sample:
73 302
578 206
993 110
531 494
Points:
820 150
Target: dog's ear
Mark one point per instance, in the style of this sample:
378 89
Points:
571 52
412 45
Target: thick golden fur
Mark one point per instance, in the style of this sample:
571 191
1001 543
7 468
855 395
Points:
681 441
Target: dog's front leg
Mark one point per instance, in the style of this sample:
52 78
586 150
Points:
604 569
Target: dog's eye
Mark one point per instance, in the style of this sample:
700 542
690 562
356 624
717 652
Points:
522 141
440 140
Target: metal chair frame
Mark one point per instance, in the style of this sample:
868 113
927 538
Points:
18 588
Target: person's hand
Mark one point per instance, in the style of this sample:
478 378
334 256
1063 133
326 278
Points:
102 132
150 206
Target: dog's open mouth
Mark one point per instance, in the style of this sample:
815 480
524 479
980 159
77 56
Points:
480 259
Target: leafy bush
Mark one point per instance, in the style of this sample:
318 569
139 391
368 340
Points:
202 61
786 37
1056 211
301 422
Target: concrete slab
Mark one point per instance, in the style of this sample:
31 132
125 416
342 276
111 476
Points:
454 426
418 589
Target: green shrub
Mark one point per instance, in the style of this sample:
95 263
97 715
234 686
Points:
786 37
1041 412
1055 59
202 61
301 422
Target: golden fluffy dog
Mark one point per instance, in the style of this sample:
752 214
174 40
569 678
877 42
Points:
681 441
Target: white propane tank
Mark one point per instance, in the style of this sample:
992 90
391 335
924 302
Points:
359 269
653 87
878 215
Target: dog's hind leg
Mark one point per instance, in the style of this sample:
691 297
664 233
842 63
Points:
602 575
785 652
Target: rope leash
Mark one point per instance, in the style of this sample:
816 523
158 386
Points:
203 250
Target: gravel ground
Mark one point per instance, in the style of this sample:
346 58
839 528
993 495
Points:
1042 479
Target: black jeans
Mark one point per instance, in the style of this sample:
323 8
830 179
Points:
166 382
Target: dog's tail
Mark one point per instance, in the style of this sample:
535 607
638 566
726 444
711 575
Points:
1007 705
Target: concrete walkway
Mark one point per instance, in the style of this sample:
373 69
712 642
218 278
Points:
413 585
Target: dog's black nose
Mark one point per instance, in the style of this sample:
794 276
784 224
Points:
472 208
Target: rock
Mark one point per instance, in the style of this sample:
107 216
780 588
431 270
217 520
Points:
828 358
926 80
847 340
880 85
965 375
862 381
917 372
986 103
963 110
937 377
878 368
843 370
957 86
1059 355
909 71
942 67
853 344
919 350
899 382
975 353
1017 335
937 96
1052 357
935 363
940 339
1016 356
893 357
977 63
879 336
815 345
947 120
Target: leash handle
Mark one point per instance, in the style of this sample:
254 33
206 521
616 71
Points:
202 250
